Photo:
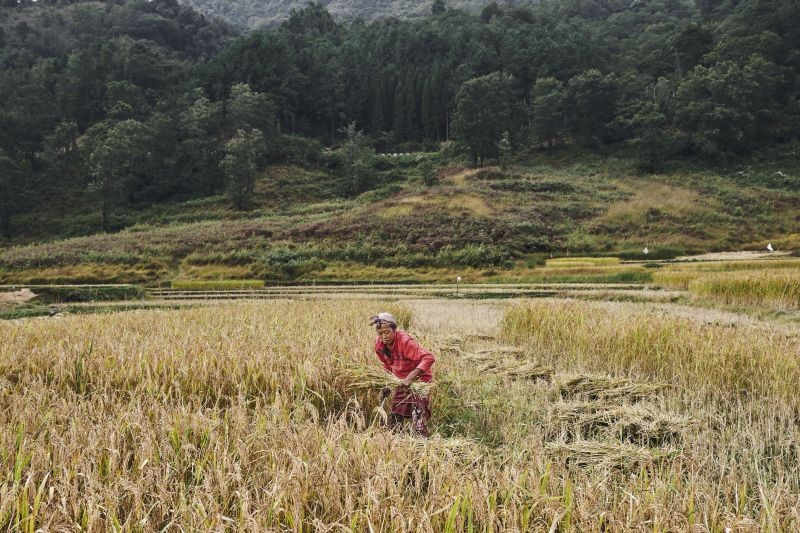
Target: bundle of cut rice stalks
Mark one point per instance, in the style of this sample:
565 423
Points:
586 453
372 377
605 388
488 363
637 423
452 344
500 351
531 371
480 337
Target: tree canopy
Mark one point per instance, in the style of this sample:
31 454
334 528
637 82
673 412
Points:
658 79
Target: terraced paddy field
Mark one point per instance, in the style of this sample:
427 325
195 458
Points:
550 413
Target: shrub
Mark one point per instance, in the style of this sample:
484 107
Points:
295 149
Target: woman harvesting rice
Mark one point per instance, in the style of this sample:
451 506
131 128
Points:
407 360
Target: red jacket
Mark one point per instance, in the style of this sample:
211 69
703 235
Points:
406 355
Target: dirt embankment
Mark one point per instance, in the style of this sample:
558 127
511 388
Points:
16 297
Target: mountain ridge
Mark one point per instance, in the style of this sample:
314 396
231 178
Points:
254 15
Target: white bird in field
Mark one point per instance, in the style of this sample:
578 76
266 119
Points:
646 250
770 248
458 279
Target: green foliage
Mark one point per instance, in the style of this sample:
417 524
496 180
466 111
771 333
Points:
11 191
504 151
547 110
591 100
428 173
240 164
648 119
725 106
483 113
117 152
287 263
295 149
357 159
142 97
246 109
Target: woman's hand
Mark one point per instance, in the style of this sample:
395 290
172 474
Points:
411 377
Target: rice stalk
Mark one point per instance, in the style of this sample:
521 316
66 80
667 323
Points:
500 351
636 423
606 388
363 377
586 453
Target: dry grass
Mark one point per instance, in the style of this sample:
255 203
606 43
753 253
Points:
718 359
458 177
646 196
606 388
217 272
475 205
85 273
636 423
236 417
607 455
566 262
217 285
16 297
406 205
499 364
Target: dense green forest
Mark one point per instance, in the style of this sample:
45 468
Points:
130 102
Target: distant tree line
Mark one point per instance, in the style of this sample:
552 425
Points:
131 102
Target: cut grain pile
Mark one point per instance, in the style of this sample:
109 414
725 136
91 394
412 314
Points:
479 337
607 388
512 369
500 351
497 362
641 424
626 456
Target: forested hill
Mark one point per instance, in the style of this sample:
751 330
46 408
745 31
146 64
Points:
109 108
256 14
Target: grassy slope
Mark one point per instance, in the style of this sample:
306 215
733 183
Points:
476 222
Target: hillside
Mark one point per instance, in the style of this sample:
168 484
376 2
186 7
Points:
487 224
265 13
143 141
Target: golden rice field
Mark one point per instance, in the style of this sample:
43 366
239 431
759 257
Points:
549 415
567 262
772 284
217 285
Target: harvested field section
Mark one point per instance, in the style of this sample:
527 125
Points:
630 341
634 384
